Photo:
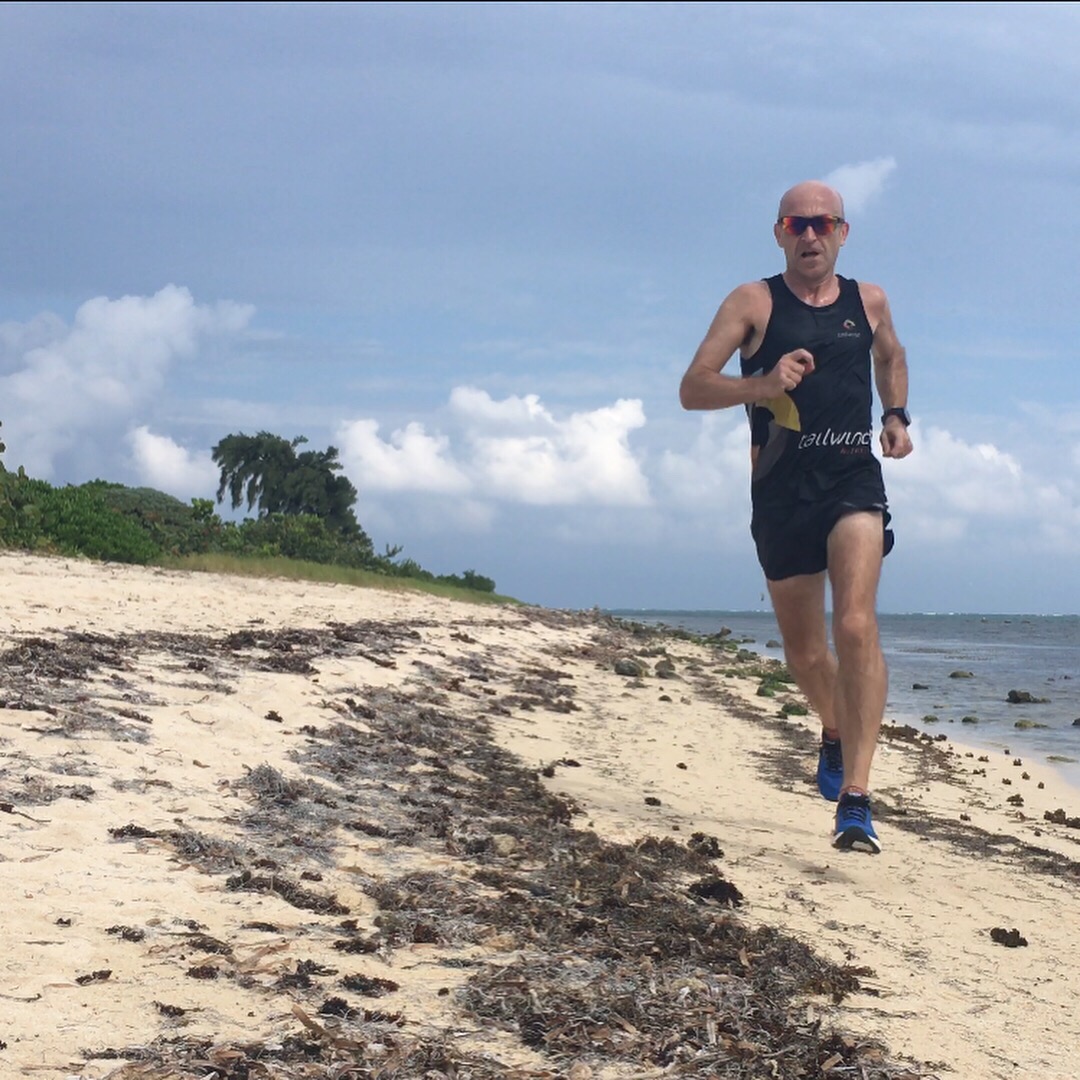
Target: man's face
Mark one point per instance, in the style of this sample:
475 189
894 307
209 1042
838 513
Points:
812 252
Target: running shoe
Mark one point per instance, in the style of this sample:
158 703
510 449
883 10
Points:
854 829
830 769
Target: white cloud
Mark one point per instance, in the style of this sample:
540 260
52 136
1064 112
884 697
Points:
861 183
978 480
710 483
510 413
717 464
950 489
514 450
530 456
163 464
412 460
17 339
66 384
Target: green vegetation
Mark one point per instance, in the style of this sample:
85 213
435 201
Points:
773 681
446 585
305 528
265 469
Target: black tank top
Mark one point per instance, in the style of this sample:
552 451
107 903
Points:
818 435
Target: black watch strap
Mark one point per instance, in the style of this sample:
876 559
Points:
905 416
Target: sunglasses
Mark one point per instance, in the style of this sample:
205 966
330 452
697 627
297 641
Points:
823 224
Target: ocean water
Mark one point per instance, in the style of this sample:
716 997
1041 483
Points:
1036 653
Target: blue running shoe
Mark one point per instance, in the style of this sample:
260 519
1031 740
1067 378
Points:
830 769
854 829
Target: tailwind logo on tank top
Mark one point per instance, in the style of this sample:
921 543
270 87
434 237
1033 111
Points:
849 442
786 415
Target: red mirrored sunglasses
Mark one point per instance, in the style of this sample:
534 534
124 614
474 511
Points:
823 224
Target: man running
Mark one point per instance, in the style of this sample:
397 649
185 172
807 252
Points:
807 340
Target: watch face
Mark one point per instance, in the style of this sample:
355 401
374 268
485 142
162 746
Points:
905 417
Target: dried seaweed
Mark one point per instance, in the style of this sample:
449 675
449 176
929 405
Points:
622 954
316 1055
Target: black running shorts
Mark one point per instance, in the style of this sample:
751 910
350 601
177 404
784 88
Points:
794 541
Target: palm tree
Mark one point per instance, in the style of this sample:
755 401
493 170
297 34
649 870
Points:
265 471
253 467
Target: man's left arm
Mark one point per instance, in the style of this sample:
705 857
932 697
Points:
890 370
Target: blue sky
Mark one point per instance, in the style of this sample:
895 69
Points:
475 247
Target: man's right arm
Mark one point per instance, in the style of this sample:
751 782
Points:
739 323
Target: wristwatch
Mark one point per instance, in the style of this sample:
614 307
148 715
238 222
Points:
905 416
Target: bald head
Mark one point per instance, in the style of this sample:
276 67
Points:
811 197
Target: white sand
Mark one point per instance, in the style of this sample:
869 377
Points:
919 914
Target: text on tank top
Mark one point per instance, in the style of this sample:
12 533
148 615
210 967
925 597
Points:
810 438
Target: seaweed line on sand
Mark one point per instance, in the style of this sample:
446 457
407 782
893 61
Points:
586 954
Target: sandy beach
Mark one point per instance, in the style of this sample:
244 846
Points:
267 828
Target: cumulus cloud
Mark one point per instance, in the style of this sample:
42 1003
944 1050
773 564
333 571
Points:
861 183
511 414
950 488
63 385
161 463
411 460
716 465
969 478
513 450
709 483
522 452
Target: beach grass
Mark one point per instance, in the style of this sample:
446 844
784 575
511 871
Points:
270 567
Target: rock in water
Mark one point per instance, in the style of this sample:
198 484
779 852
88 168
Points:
1024 697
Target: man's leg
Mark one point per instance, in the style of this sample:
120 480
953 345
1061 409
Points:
799 604
855 554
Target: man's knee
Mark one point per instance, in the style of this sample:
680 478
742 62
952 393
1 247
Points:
804 660
854 631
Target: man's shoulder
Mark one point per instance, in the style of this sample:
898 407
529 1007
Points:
876 305
751 294
872 295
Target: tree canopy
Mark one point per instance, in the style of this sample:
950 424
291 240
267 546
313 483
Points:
266 471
